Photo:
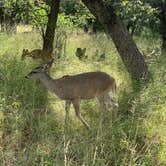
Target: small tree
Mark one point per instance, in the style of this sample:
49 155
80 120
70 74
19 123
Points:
51 25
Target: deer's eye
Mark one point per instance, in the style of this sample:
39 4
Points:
33 72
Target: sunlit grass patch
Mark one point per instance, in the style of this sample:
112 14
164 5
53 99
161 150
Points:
24 28
37 118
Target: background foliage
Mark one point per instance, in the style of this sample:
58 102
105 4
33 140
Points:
32 120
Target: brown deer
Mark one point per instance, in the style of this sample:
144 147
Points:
74 88
36 54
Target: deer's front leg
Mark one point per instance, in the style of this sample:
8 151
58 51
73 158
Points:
76 104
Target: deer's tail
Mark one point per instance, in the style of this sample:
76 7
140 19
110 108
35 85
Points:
114 88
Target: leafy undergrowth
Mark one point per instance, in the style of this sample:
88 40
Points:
33 131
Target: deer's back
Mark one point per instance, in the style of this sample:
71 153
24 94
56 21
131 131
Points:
85 85
38 53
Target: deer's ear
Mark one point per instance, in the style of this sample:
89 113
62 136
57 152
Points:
48 65
25 50
45 67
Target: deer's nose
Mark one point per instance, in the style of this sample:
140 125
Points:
26 77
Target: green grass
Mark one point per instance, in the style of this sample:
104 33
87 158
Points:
33 131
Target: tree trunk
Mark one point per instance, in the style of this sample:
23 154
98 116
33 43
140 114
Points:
114 27
10 25
51 25
28 130
2 17
163 25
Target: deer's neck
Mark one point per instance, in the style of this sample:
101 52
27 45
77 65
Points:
48 82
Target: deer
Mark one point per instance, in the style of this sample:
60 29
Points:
74 88
80 53
36 54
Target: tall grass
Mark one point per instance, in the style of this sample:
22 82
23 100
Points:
33 130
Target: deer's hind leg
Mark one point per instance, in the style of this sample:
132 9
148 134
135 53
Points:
111 103
67 109
76 104
102 104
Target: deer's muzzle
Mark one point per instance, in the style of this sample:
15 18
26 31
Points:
26 77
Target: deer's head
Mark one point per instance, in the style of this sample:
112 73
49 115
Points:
38 71
24 53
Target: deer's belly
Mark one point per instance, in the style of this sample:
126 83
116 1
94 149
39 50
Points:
73 95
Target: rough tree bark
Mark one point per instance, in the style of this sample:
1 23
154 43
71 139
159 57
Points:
163 24
114 27
51 25
2 17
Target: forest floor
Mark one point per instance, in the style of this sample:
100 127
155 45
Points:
33 131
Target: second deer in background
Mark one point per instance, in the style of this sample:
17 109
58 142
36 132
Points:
81 53
36 54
